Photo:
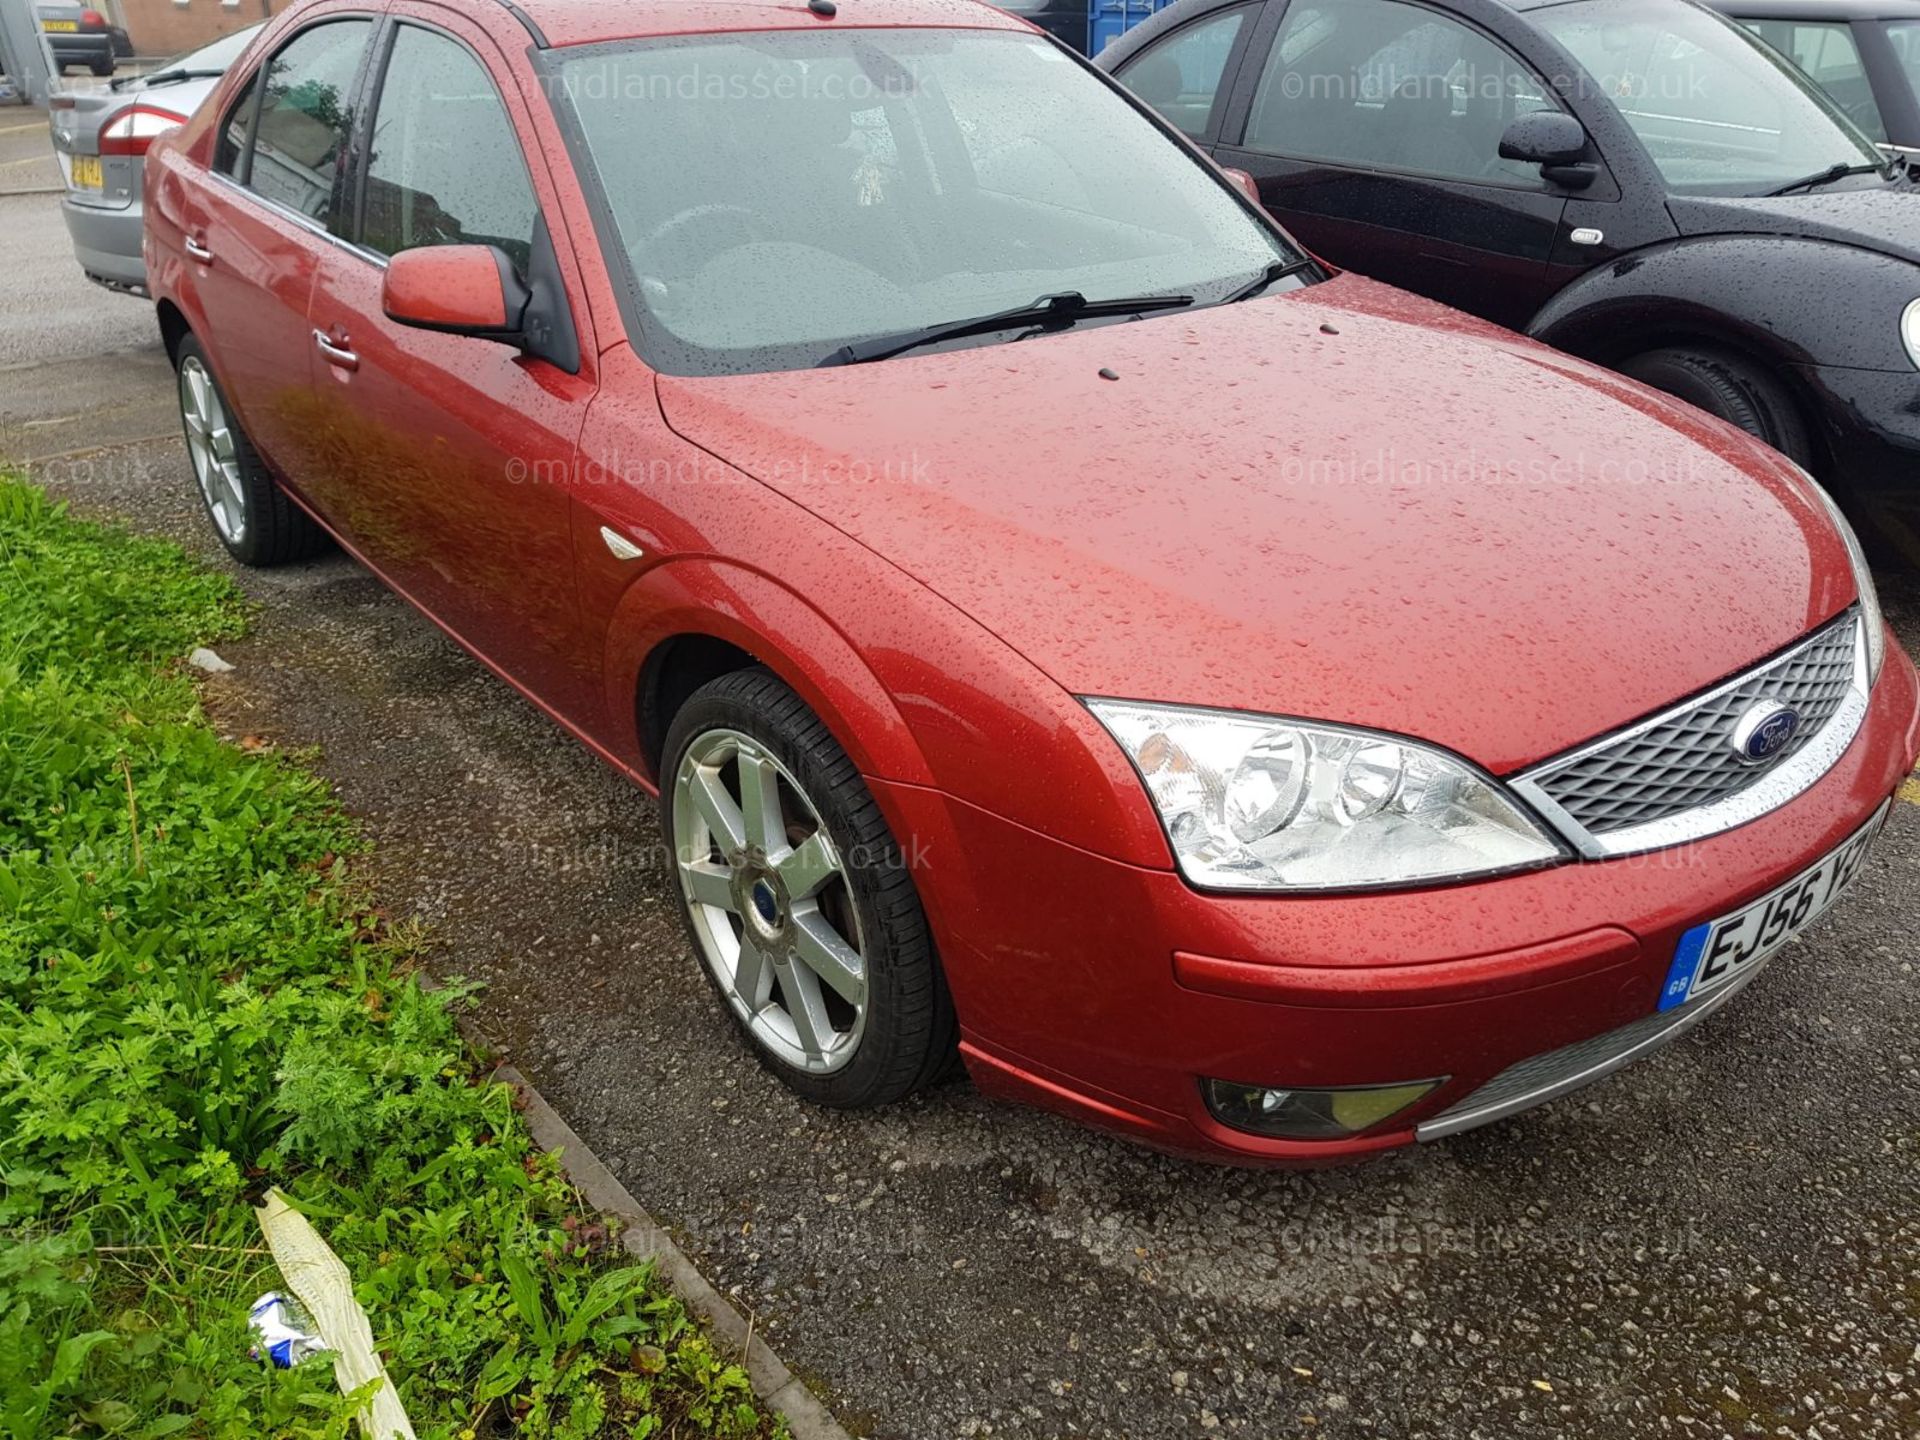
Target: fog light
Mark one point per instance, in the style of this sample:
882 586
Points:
1311 1114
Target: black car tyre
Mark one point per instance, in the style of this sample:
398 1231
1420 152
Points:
1736 390
101 67
252 516
797 898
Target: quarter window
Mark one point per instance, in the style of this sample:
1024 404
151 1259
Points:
446 166
1386 86
306 116
230 154
1180 76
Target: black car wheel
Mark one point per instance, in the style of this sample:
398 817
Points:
254 519
798 899
1736 390
101 67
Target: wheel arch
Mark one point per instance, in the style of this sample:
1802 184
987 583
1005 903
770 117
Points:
685 622
1742 293
1608 345
1678 296
173 327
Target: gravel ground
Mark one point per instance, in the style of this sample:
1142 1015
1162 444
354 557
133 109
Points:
1723 1241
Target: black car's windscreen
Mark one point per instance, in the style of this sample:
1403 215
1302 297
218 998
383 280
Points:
777 195
1719 112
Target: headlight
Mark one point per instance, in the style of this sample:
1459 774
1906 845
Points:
1910 331
1252 802
1870 617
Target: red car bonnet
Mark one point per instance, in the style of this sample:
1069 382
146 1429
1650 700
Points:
1343 503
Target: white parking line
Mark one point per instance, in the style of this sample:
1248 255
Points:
22 129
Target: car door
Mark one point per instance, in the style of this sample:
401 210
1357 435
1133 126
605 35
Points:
1373 130
449 459
255 232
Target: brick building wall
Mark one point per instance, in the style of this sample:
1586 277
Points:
168 27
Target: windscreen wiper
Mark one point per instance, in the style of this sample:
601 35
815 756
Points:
1049 312
1831 173
1277 271
164 77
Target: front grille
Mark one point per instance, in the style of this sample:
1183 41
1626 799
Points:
1683 759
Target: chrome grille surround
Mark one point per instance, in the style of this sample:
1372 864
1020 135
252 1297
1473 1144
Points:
1675 777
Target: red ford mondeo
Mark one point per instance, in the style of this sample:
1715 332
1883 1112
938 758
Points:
1233 703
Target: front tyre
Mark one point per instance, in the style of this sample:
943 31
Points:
1734 389
797 898
254 519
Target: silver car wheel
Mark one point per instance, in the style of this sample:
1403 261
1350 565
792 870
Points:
210 445
772 910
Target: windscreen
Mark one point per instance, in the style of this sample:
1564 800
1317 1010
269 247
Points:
776 195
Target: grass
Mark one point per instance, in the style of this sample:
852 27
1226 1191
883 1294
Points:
196 1002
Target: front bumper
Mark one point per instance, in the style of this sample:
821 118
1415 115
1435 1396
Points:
1870 421
1107 991
107 243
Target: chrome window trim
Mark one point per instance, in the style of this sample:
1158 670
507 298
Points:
305 222
1772 790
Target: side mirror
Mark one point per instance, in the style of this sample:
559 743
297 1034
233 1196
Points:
457 290
1545 137
1243 182
1556 143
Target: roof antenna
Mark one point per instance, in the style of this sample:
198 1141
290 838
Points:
825 9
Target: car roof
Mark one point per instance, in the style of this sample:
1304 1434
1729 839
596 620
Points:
1819 9
584 22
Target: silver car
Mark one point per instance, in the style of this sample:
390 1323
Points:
101 137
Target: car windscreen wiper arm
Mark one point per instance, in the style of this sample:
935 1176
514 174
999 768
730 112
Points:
1832 172
1277 271
1048 312
165 77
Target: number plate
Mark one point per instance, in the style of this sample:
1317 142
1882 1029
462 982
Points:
60 27
86 173
1710 955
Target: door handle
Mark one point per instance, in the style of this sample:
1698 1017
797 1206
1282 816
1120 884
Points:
197 251
336 353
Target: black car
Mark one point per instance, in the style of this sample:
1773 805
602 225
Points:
1639 182
1065 20
1864 53
76 35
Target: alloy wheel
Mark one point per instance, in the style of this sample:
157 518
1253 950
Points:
767 890
210 445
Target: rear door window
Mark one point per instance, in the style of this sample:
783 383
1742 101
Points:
300 139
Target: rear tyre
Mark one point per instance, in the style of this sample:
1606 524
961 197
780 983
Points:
252 516
101 67
798 900
1736 390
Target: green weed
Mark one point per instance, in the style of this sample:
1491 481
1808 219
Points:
195 1003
